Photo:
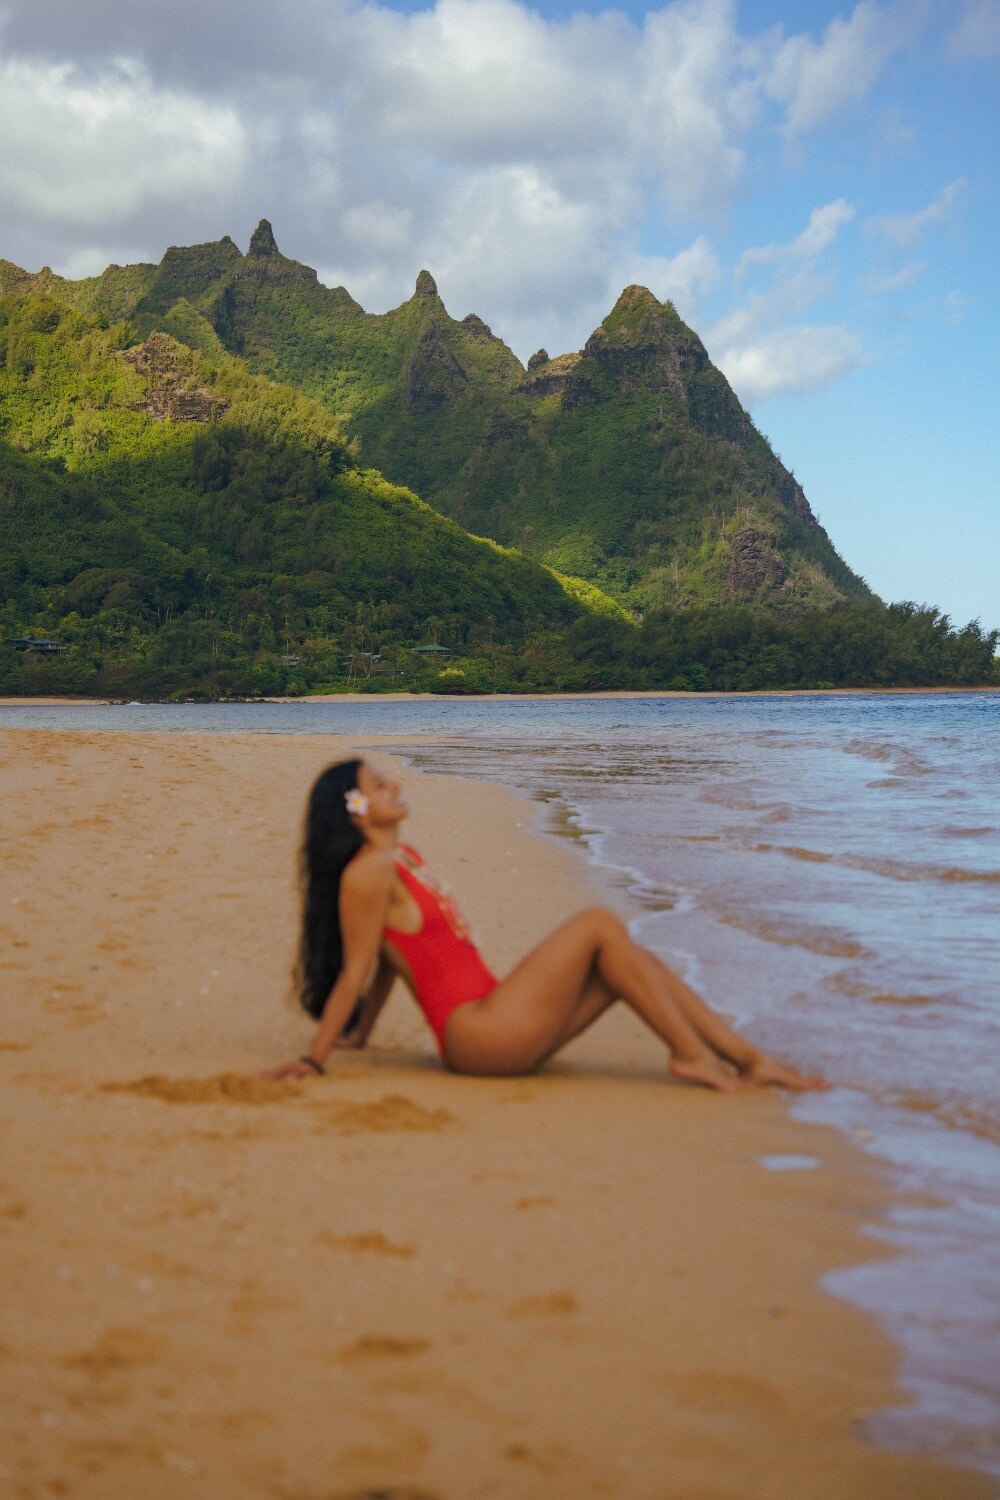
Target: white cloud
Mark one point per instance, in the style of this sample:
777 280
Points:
822 229
901 232
976 38
533 165
895 281
760 344
89 152
789 360
814 79
685 93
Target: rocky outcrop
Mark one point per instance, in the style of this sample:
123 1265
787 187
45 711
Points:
262 241
173 393
477 328
426 285
755 564
540 357
505 429
567 376
636 345
265 262
643 345
433 375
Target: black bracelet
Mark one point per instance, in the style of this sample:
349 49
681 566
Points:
311 1062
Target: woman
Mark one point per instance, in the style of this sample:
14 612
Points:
373 911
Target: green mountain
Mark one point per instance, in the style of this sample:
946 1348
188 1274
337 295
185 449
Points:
630 463
175 519
183 505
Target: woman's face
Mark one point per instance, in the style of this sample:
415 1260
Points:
386 806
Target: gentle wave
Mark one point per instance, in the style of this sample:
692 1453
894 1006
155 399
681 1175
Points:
904 762
790 935
856 989
891 869
957 1114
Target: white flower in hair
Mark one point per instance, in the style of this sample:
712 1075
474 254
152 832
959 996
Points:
357 803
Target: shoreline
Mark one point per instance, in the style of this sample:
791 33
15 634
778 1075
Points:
401 697
433 1265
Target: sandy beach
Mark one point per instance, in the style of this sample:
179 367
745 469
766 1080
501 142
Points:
389 1281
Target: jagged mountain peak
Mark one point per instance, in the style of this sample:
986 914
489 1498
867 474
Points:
262 241
639 317
631 463
637 297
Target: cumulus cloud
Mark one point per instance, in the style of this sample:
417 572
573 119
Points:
976 38
760 344
822 229
790 360
814 79
88 151
895 281
901 232
530 163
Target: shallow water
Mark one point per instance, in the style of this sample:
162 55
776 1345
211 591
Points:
827 870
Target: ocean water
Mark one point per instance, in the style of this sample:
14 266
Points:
824 868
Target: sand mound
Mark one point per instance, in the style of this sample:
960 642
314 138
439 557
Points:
391 1112
384 1346
373 1243
221 1088
552 1304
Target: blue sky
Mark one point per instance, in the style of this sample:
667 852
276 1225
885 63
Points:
814 185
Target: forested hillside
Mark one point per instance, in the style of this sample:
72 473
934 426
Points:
176 521
173 523
630 463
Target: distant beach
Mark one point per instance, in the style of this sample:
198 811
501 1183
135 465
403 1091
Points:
57 702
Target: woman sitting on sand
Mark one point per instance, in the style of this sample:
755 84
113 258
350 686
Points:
373 908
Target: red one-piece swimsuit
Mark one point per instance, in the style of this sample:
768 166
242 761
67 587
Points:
445 963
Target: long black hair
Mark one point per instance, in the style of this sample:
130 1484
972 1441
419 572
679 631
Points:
330 843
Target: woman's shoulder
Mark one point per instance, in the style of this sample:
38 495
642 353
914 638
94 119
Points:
370 870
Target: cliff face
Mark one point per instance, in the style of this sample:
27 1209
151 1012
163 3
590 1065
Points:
630 462
172 393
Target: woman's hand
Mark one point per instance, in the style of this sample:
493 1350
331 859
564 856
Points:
350 1040
294 1069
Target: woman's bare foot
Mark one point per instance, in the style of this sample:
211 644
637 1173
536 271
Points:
708 1070
764 1072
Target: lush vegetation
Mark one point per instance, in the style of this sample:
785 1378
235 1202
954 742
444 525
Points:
178 525
739 647
182 524
632 465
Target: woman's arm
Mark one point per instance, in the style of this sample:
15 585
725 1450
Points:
361 1022
365 889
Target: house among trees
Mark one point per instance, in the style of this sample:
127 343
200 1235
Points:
35 643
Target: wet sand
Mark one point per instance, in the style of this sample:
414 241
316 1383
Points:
390 1280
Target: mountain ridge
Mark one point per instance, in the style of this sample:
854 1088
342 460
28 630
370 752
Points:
630 462
173 523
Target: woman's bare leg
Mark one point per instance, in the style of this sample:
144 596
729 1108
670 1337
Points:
549 998
754 1065
594 1001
